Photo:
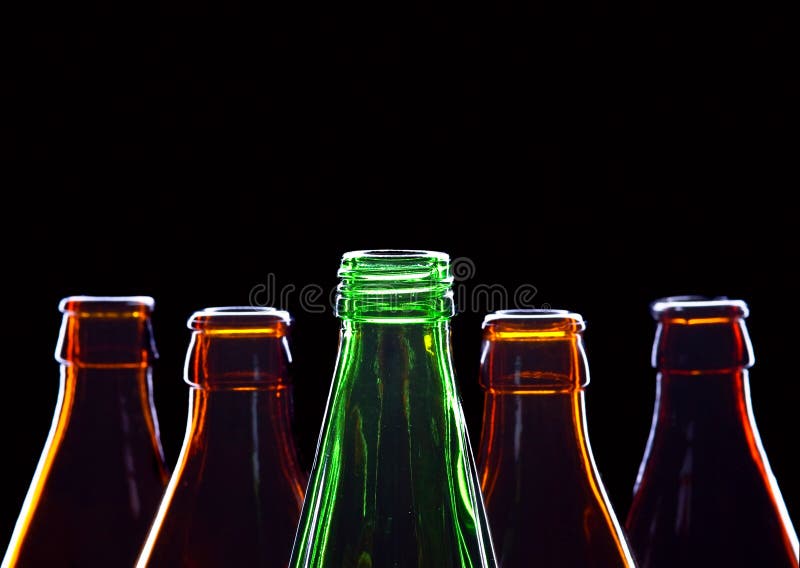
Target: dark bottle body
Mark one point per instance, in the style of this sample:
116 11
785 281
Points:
102 474
706 495
544 497
236 493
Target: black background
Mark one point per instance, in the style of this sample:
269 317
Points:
605 153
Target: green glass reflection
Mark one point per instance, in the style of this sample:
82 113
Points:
394 482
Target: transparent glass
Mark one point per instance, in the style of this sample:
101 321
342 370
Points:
394 482
235 496
705 494
545 500
102 473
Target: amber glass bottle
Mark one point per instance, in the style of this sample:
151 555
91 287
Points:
101 474
546 503
705 495
235 496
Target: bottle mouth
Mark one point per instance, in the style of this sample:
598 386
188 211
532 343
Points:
398 285
691 310
395 268
240 320
532 324
107 306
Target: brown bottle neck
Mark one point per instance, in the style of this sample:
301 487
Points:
702 367
240 383
534 370
234 418
238 360
533 366
96 405
543 418
112 340
240 410
712 401
534 384
712 344
105 351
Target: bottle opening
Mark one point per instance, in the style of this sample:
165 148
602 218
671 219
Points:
107 306
240 320
696 310
532 325
395 286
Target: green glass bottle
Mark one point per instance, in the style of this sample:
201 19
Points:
394 481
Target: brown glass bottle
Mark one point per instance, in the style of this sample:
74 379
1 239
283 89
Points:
545 500
235 496
705 495
101 474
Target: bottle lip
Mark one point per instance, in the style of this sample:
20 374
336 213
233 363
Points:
532 324
695 308
535 316
394 268
106 306
253 320
396 254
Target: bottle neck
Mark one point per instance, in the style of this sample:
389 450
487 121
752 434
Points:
545 428
702 345
702 367
241 403
243 435
534 404
707 401
392 350
113 340
97 391
105 348
523 365
535 443
238 360
99 405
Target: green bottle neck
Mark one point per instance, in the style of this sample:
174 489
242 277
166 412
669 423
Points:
389 351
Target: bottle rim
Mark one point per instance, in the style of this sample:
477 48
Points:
696 307
532 323
396 253
85 306
240 319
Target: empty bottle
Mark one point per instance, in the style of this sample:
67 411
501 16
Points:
394 483
545 500
705 494
101 474
235 496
